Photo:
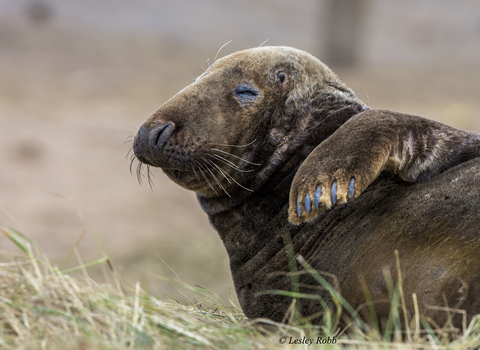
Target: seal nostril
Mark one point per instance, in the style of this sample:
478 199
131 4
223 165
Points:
160 133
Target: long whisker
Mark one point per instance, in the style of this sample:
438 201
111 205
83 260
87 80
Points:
251 64
149 177
259 46
133 157
246 161
129 139
225 161
216 179
220 49
226 175
128 153
229 163
218 169
245 188
203 174
222 144
139 173
196 175
253 52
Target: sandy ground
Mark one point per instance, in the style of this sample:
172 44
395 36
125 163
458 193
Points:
70 99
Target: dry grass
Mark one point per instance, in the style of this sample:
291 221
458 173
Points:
45 308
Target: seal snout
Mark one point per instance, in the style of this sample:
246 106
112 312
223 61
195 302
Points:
149 142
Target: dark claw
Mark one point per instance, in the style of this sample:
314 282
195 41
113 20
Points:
334 192
307 203
350 188
299 210
318 194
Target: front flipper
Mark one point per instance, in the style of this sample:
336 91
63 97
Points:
342 166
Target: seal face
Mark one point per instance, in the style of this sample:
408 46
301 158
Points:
287 161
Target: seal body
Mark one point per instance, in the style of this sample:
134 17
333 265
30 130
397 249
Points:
288 162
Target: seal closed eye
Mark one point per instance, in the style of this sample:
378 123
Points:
278 148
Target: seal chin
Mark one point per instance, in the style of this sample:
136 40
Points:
185 179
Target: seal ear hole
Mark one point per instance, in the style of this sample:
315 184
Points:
282 78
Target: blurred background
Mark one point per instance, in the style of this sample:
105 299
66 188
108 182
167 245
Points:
78 77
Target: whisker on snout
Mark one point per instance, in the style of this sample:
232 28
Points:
220 49
140 173
195 172
229 163
232 155
221 171
129 141
222 144
204 176
254 51
149 177
214 177
205 170
227 176
132 159
245 188
128 153
251 64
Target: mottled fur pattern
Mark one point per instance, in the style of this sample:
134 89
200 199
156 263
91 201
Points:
260 129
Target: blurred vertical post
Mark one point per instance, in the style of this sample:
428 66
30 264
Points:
343 30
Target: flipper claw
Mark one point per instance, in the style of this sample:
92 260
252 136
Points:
334 192
351 188
307 203
318 194
299 210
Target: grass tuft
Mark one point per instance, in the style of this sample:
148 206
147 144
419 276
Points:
42 307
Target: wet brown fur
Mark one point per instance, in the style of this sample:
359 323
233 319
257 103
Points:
250 158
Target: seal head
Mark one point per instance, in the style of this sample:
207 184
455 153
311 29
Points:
242 119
